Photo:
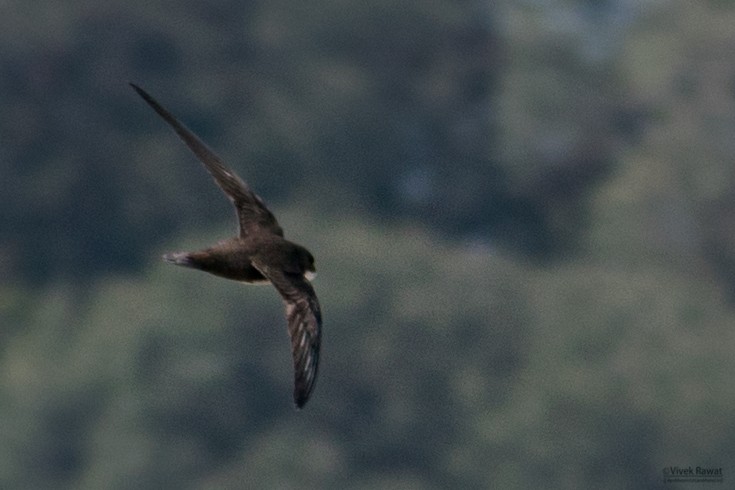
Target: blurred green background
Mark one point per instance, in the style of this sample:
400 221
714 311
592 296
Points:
523 214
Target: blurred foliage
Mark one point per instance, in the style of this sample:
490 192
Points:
522 212
399 110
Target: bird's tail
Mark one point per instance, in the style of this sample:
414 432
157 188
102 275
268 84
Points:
179 258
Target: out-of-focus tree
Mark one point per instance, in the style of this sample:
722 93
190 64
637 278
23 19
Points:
410 111
673 199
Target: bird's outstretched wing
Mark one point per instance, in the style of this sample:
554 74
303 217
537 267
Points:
251 211
304 326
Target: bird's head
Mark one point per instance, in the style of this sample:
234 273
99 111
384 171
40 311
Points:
307 263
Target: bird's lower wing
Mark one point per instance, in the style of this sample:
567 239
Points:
304 326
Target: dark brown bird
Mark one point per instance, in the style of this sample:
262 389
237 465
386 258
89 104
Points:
258 254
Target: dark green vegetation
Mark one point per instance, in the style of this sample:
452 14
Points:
523 220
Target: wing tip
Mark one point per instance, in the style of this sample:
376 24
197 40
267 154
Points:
140 91
305 376
301 396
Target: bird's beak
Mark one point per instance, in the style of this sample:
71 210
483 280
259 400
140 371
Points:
310 275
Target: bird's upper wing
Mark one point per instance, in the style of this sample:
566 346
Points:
251 211
304 326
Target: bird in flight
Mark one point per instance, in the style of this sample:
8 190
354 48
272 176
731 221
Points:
258 254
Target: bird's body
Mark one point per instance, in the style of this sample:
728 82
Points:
233 258
258 254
